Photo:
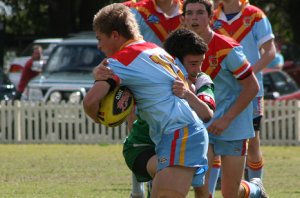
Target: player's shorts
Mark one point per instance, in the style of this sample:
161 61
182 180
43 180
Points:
258 107
229 148
185 147
136 157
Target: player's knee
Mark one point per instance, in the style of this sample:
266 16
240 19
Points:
201 192
169 193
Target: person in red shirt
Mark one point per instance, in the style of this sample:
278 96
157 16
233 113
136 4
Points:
28 73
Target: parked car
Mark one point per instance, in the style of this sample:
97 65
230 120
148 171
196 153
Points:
67 76
7 88
278 85
18 63
291 65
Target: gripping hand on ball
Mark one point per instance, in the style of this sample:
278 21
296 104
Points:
102 71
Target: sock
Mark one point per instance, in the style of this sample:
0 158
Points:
149 188
255 169
137 187
251 190
214 175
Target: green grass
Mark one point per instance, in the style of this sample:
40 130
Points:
41 171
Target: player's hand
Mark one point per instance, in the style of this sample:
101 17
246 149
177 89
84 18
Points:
102 72
179 88
218 126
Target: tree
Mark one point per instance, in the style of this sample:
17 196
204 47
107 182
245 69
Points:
284 17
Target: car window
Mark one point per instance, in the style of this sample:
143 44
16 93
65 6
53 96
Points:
281 83
268 84
74 58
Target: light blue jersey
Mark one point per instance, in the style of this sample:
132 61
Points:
179 135
251 28
149 73
226 63
154 25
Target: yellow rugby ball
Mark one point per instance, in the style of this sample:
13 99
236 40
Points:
115 107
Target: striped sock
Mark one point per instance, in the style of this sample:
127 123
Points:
255 169
214 175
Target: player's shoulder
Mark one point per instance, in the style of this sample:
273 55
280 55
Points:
252 10
143 4
131 52
225 41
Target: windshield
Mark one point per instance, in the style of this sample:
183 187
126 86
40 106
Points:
279 82
73 58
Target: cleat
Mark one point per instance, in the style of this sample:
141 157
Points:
258 182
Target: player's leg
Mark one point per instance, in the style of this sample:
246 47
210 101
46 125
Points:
203 191
167 184
137 190
214 174
255 160
136 159
232 173
252 189
151 168
181 154
233 158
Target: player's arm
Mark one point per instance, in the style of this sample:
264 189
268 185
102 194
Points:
102 72
268 52
104 81
249 90
92 98
200 107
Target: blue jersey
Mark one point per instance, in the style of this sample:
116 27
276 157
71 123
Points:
250 27
225 63
149 72
153 23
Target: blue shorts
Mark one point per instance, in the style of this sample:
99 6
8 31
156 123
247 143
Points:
229 148
185 147
258 107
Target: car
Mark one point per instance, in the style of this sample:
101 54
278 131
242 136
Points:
7 88
67 75
278 85
291 54
17 64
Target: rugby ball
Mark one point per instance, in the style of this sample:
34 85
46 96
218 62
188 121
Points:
115 107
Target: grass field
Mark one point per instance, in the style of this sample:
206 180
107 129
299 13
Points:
87 171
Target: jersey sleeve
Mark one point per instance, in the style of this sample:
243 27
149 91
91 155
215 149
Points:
262 30
205 90
237 63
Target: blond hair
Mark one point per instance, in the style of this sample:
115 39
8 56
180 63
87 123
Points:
116 17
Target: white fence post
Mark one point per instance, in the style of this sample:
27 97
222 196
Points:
280 124
30 122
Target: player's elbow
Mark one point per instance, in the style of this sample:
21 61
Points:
208 116
253 88
90 108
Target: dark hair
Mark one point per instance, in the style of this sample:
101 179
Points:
207 3
182 42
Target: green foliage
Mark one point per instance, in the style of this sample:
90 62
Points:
42 171
27 17
279 16
57 17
